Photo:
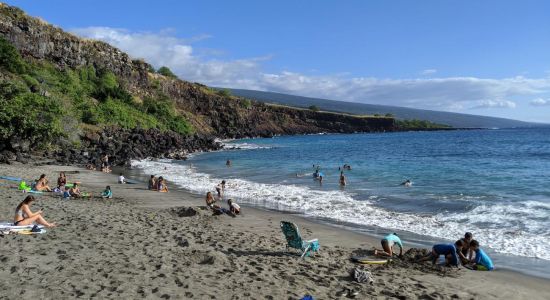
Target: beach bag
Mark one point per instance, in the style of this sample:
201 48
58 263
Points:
362 276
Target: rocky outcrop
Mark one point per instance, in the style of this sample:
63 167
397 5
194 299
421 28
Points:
124 145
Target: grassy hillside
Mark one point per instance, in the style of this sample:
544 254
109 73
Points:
41 103
451 119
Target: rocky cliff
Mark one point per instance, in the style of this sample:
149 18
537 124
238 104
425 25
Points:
210 114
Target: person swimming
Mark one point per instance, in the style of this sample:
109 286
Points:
342 179
407 183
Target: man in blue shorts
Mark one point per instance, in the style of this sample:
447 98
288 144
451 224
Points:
448 250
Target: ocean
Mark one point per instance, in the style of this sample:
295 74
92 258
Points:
493 183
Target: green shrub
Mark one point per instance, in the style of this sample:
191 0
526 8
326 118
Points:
246 103
166 72
224 93
10 59
30 117
314 108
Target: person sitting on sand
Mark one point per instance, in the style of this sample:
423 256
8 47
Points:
220 188
107 193
387 245
90 167
342 179
161 185
152 185
61 181
42 184
74 191
24 215
482 261
121 179
466 253
448 250
233 207
218 210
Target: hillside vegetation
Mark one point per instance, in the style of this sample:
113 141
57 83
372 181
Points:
39 102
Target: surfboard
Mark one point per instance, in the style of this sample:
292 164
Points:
11 178
130 181
28 231
369 260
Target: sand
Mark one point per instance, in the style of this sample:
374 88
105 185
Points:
143 244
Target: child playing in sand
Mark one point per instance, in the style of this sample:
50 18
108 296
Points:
466 253
448 250
387 245
107 193
233 207
482 261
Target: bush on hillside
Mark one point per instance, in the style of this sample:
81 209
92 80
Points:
10 59
224 93
314 108
166 72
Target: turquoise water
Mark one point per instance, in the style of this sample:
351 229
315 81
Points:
493 183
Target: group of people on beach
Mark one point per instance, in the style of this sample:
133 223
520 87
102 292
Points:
465 251
157 184
233 208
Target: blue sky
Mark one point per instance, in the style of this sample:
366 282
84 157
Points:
478 57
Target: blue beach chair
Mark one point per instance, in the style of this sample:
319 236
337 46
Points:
294 240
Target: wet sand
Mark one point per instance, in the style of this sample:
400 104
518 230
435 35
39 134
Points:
143 244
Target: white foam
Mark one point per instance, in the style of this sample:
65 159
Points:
496 226
243 146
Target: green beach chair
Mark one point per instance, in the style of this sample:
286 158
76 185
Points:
294 240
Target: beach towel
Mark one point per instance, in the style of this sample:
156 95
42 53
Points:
307 297
294 240
10 178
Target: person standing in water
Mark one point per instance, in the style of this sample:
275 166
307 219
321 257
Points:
342 179
228 163
220 189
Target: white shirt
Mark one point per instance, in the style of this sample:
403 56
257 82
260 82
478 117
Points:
121 179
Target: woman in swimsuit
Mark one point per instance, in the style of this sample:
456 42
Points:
42 184
24 215
62 180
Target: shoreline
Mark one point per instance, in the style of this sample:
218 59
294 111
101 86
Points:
373 234
101 245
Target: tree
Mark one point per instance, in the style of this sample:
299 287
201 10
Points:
166 72
389 115
314 108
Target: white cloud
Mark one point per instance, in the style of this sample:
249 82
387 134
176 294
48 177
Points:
540 102
495 104
428 72
451 93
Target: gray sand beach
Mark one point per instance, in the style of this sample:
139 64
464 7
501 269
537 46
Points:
144 244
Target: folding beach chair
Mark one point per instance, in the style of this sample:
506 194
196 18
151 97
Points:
294 240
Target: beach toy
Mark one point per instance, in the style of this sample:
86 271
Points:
369 260
23 186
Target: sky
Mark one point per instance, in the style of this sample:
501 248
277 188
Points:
477 57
